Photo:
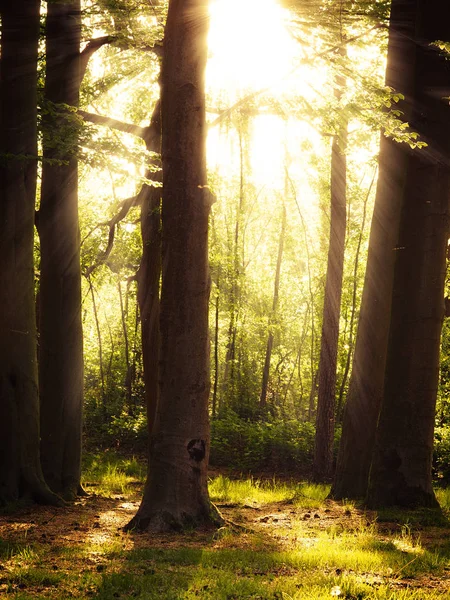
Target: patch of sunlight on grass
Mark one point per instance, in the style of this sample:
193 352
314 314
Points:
443 497
407 541
306 495
102 546
111 474
338 569
310 495
9 551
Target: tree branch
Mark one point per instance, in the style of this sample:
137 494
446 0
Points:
150 134
152 137
91 47
103 256
114 123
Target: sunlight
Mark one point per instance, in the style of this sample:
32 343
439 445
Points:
252 53
249 45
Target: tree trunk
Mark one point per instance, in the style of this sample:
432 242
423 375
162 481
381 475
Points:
177 492
368 369
20 468
229 383
216 356
351 327
323 448
401 466
60 327
276 288
149 275
128 382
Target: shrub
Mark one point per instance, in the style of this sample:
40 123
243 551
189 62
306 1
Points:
255 446
441 455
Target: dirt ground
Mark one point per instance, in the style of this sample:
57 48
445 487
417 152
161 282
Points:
94 521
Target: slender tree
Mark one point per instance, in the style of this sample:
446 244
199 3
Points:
401 466
276 292
177 492
323 448
20 469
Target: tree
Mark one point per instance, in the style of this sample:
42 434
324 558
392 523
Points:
401 465
20 469
60 329
323 448
368 370
276 291
149 274
176 490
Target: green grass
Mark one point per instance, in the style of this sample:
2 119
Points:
109 473
341 554
255 491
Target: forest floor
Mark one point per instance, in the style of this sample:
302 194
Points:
297 546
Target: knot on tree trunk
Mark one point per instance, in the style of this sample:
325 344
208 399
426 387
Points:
196 450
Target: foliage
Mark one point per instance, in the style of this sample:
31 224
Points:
441 454
278 446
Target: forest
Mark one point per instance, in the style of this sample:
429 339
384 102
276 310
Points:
224 334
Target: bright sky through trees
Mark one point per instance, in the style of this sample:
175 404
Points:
252 50
250 46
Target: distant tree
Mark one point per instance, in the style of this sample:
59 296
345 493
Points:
20 469
401 466
276 292
326 402
176 490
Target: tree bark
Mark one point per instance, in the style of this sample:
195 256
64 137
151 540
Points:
323 447
60 326
149 276
401 466
368 370
20 468
177 493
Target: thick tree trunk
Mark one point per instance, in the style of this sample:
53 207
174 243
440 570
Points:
323 447
176 490
20 469
367 379
401 466
60 327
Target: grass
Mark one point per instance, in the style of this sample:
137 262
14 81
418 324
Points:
254 491
110 473
295 545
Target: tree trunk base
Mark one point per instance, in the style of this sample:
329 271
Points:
81 492
407 497
46 497
163 521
